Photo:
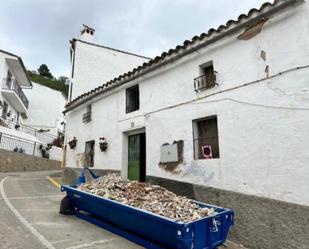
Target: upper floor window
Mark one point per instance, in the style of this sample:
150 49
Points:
207 78
206 139
87 114
132 99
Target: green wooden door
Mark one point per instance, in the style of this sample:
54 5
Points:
137 157
134 158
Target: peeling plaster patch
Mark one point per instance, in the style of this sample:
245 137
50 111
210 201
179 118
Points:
173 167
263 55
267 71
253 30
299 95
80 159
199 173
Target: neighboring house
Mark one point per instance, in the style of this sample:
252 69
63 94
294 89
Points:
14 78
19 106
221 118
94 64
45 109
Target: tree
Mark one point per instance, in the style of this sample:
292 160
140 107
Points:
44 71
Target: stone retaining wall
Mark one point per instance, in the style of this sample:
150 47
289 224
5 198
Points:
17 162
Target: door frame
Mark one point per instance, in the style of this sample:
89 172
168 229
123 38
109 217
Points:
125 149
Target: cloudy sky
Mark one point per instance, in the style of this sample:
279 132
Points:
39 30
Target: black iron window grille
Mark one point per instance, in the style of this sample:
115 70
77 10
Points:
206 138
207 79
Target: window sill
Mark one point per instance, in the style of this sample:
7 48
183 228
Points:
208 88
206 160
128 113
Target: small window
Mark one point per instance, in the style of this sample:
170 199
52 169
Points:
205 136
88 108
207 78
132 99
87 114
89 153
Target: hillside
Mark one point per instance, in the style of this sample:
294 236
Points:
51 83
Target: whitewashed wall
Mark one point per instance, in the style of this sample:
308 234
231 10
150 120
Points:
94 65
263 128
45 108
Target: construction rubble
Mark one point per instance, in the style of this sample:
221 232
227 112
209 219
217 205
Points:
148 197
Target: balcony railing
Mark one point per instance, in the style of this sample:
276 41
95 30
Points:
86 117
45 137
11 84
204 82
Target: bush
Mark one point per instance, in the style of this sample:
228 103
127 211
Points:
51 83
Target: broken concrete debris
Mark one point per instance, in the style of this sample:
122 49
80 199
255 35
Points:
147 197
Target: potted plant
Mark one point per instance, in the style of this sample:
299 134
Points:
103 144
72 143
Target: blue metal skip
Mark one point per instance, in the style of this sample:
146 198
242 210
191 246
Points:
148 229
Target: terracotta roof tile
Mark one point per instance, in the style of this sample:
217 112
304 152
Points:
79 100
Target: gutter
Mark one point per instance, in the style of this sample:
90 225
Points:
274 9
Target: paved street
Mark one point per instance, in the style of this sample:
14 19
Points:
29 218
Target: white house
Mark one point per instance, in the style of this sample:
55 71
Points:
94 64
14 78
45 109
224 117
25 108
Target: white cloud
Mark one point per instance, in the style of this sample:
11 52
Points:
40 31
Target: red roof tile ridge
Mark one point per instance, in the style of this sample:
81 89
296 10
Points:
171 52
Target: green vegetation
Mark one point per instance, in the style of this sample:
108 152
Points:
48 81
44 71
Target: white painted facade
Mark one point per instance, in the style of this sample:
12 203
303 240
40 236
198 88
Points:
94 64
263 127
45 109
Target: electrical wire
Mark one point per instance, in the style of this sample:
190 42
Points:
196 101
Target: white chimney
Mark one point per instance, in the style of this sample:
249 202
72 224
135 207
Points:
87 33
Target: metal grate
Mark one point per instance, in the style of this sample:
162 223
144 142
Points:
86 117
206 134
19 145
45 137
205 81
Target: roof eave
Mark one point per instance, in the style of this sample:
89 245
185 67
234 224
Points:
215 36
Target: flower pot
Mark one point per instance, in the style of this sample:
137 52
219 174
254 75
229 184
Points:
103 146
72 143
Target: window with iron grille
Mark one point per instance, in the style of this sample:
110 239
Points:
87 114
205 138
207 78
132 99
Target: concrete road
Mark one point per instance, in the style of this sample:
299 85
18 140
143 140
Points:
29 218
